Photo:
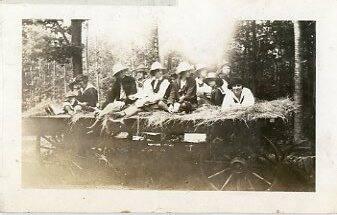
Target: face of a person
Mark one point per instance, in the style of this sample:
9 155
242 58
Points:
237 90
83 84
158 74
211 83
127 73
76 89
139 76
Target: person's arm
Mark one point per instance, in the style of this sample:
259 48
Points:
111 96
190 92
227 101
249 98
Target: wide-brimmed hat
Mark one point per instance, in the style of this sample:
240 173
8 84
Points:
156 66
200 67
182 67
71 94
211 76
80 78
140 68
118 67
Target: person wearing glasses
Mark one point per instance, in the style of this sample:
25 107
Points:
238 96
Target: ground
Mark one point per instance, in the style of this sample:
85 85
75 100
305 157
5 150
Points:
129 166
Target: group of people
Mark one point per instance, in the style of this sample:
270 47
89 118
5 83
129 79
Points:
182 91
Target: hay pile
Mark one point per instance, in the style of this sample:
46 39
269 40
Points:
280 108
38 109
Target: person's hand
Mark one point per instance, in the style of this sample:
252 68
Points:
97 112
181 99
132 97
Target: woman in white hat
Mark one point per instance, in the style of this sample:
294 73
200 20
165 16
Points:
154 91
183 95
120 94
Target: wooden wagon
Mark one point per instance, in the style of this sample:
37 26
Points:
234 155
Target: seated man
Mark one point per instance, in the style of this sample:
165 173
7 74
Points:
122 88
88 97
153 92
238 96
183 95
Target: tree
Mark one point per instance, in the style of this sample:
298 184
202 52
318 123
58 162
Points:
298 90
76 41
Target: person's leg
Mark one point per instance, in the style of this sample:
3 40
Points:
163 106
129 111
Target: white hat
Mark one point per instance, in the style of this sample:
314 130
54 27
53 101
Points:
118 67
156 65
200 67
211 75
141 67
183 66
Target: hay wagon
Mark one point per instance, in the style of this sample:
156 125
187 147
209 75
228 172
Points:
232 154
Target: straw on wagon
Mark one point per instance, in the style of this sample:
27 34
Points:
281 108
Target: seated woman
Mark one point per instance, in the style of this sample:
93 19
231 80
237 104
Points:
238 96
183 93
70 104
121 89
154 91
219 89
88 97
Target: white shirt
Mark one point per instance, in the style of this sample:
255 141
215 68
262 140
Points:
231 101
148 92
205 88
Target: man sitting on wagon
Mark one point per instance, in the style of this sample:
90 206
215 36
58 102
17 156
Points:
238 96
122 87
183 94
154 91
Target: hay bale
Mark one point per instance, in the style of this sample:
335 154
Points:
280 108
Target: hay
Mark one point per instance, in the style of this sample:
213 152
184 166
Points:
38 109
280 108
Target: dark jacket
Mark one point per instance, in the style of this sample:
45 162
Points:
129 86
90 95
217 97
189 91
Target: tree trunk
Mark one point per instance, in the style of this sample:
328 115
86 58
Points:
298 91
76 41
254 58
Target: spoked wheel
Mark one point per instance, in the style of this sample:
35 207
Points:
237 173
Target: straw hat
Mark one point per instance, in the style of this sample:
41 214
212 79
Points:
140 68
183 66
118 67
156 66
211 76
199 67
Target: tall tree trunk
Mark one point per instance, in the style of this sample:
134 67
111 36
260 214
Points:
76 40
254 58
298 90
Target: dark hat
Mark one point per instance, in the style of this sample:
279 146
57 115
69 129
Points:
80 78
235 81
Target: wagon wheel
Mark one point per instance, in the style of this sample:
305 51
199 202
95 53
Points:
240 169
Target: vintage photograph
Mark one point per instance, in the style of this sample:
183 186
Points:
168 100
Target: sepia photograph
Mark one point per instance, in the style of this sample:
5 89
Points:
168 101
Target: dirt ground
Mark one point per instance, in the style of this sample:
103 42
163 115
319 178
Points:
131 165
127 168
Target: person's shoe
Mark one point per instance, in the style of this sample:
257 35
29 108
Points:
117 115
